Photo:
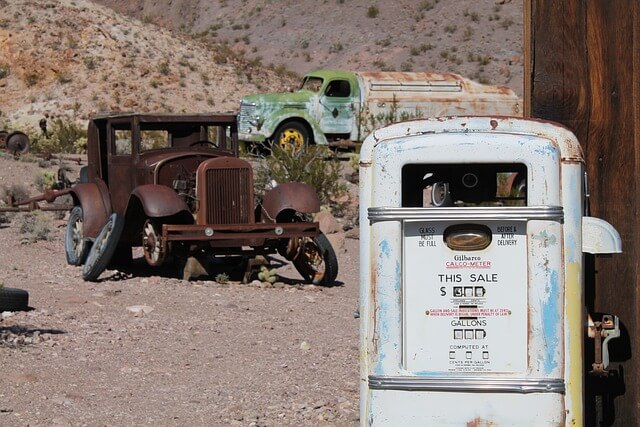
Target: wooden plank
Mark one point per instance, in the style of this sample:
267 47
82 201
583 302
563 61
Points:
585 74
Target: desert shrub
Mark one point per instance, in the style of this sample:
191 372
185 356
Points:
314 166
65 136
35 226
17 192
46 181
31 79
4 71
372 12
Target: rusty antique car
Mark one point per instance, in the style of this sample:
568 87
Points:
175 185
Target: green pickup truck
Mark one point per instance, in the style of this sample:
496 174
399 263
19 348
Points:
336 106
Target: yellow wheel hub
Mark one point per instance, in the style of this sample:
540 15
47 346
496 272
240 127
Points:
291 139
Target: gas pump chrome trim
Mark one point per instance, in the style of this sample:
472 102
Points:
473 385
549 213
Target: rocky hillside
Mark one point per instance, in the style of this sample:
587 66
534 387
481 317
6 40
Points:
478 39
74 58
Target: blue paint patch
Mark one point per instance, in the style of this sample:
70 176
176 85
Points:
551 324
385 249
388 319
547 150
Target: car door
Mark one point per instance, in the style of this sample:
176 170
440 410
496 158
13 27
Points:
121 153
336 105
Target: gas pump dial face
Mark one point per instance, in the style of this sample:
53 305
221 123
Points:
465 310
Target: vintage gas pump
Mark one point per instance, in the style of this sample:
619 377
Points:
472 312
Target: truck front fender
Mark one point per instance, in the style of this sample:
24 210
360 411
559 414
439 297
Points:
289 198
94 199
272 123
158 200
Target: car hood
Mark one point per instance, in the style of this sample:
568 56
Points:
292 99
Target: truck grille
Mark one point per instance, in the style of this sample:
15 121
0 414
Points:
228 196
247 111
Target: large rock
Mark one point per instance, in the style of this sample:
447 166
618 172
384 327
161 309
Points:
328 223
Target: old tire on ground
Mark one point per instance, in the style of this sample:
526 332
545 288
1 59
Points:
103 248
12 299
76 246
17 142
293 135
316 261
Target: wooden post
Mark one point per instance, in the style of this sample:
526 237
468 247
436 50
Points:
582 69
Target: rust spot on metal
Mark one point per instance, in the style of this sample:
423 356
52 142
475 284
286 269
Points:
479 422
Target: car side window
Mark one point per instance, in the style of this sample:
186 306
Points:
122 141
338 89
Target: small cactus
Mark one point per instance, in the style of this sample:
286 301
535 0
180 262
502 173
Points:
222 278
267 275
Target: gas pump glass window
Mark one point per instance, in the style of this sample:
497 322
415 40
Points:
459 185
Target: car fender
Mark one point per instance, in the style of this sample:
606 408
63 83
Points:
274 120
291 196
94 199
158 200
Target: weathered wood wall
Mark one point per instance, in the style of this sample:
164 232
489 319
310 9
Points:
583 70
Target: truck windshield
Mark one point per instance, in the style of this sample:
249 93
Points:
312 83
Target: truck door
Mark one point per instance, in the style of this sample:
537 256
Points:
120 163
336 108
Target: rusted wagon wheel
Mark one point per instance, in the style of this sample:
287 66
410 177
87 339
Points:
152 243
17 143
316 261
3 138
103 248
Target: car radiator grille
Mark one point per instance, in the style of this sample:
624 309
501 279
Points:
227 193
247 111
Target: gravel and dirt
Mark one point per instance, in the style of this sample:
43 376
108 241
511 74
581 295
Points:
137 348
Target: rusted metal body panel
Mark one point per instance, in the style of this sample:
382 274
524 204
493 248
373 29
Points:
486 336
95 202
291 196
340 105
159 200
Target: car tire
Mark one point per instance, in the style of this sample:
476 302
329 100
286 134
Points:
12 299
103 248
316 261
292 135
76 247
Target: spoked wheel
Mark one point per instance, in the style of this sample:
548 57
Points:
75 245
103 248
316 260
152 243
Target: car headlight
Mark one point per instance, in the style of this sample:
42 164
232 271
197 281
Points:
256 122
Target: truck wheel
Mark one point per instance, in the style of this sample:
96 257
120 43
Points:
103 248
75 245
12 299
152 243
316 261
293 135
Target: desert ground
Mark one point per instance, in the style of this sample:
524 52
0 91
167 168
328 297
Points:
138 348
